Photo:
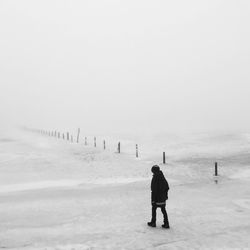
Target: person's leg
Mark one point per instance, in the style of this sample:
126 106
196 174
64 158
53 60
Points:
154 207
165 216
152 223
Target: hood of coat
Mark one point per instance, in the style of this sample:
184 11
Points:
156 169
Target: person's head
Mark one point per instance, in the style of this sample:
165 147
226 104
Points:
155 169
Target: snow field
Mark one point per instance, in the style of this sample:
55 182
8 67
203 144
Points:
55 195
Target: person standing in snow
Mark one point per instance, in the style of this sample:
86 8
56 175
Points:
159 195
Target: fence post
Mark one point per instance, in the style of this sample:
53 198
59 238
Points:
164 158
78 134
68 136
119 147
85 140
136 154
104 145
216 169
63 136
71 138
59 135
95 141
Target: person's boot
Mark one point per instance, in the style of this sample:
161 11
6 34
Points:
151 224
166 225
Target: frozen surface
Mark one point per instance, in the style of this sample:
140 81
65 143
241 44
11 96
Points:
59 195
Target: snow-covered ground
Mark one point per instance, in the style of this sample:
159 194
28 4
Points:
60 195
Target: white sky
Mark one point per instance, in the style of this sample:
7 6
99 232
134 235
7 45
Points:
121 66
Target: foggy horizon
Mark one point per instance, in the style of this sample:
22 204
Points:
124 124
125 66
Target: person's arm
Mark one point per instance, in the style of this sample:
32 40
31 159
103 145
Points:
154 184
153 189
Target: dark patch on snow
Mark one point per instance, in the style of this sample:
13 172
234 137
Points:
6 140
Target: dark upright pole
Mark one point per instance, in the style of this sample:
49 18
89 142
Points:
78 134
216 169
104 145
164 158
119 147
136 154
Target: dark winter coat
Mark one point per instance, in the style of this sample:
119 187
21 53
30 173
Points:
159 188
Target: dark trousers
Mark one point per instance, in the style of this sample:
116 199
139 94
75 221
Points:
163 210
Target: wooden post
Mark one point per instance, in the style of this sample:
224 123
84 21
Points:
71 138
119 147
59 135
104 145
136 154
164 158
78 134
68 136
86 141
95 141
63 136
216 169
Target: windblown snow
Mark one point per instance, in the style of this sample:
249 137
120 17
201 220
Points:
57 195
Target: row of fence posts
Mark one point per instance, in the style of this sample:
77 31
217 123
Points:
56 134
70 137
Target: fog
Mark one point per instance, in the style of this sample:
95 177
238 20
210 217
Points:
125 66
